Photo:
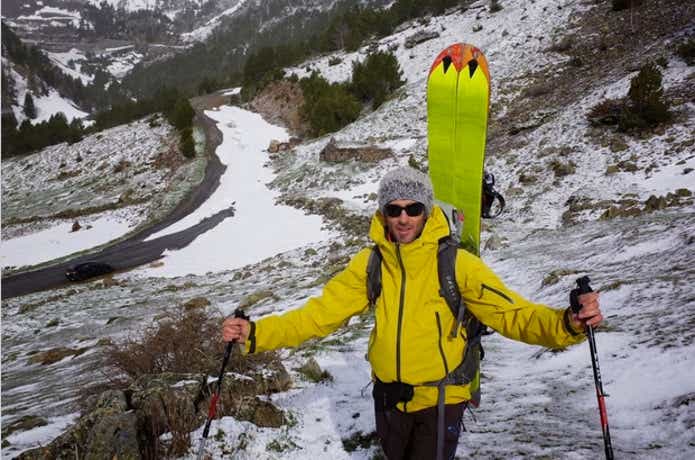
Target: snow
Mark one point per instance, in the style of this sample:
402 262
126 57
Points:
55 426
62 60
128 5
47 106
201 33
536 404
259 228
232 92
52 14
59 241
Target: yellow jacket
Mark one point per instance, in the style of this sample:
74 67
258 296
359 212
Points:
410 341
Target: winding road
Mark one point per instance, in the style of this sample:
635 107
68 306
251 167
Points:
135 251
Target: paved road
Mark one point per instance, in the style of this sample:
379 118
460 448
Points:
135 251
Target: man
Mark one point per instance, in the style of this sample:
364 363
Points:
410 347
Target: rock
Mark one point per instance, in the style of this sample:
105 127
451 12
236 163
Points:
562 169
54 355
261 413
274 146
114 436
76 226
312 371
196 302
419 37
493 243
108 282
655 203
25 423
126 197
628 166
279 103
527 179
618 145
108 431
256 297
333 154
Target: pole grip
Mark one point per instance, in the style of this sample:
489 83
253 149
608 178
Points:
582 288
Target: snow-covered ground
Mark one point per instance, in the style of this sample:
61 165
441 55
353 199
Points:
259 228
46 106
110 182
203 32
536 403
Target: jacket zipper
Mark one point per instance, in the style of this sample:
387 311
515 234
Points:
439 343
496 291
400 314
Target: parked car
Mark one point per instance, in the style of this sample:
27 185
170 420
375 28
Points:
86 270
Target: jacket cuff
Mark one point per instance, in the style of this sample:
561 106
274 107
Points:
251 341
568 324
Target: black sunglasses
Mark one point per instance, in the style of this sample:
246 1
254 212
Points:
413 209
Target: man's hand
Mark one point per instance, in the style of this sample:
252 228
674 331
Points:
235 329
590 313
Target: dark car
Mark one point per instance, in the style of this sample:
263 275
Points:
86 270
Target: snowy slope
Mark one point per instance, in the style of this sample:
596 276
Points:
536 403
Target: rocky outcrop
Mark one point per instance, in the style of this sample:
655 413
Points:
331 153
108 431
419 37
127 424
279 103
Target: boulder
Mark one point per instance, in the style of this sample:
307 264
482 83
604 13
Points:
419 37
109 430
116 427
331 153
196 302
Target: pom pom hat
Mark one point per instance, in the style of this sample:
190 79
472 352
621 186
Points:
405 183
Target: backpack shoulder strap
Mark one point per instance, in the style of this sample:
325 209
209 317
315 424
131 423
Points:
374 275
446 269
448 287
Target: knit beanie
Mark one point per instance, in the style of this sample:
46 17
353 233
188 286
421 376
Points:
405 183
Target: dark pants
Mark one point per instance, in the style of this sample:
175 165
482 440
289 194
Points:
413 436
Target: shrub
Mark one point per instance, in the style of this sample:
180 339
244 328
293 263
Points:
327 107
376 78
606 112
181 116
619 5
187 144
29 107
646 103
686 51
181 342
332 111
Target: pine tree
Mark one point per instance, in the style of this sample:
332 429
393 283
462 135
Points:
376 78
29 107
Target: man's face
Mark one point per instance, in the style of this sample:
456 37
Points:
404 228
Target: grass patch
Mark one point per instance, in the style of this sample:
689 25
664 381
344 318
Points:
360 440
686 51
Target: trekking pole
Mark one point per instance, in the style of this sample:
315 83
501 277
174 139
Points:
583 288
212 410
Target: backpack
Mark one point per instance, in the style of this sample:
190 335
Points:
469 369
489 197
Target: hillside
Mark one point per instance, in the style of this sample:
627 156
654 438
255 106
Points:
579 201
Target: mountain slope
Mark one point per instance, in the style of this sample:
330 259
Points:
559 175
